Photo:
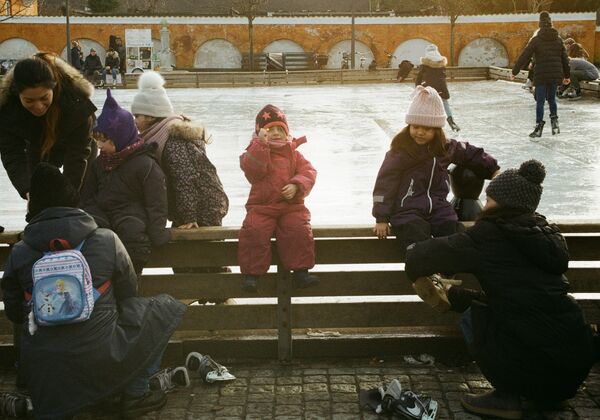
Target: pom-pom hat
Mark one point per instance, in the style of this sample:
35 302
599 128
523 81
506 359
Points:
152 99
116 123
519 188
426 108
269 116
432 55
545 21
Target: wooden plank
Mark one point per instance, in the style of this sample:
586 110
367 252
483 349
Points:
284 315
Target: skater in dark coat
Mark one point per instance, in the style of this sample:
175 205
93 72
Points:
126 189
70 367
551 69
45 115
528 336
281 179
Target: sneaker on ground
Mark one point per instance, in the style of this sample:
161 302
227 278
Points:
494 403
15 404
209 370
170 378
433 291
132 407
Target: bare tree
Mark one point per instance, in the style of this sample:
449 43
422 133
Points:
250 9
9 11
538 5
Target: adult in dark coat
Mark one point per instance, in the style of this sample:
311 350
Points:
551 69
529 337
70 367
76 55
92 66
45 115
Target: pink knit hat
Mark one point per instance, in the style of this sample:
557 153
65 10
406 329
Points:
426 108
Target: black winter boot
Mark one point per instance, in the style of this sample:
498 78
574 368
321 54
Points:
537 132
302 279
452 124
554 122
249 283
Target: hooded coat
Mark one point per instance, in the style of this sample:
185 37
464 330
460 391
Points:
414 183
530 336
195 191
433 73
550 55
21 132
69 367
131 200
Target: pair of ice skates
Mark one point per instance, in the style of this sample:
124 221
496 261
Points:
539 127
393 400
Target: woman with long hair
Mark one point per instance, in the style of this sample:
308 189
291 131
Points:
46 115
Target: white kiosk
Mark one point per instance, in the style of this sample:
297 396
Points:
140 57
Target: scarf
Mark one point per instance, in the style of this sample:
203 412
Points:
113 161
159 134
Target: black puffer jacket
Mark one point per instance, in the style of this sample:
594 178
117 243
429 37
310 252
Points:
69 367
21 132
530 335
433 73
550 55
131 200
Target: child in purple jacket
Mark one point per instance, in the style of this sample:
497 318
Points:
412 186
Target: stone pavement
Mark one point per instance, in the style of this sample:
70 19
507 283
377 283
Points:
329 390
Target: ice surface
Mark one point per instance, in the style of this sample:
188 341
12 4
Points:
349 129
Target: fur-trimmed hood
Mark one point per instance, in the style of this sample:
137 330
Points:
434 63
188 131
80 85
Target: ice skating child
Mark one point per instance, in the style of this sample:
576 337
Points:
412 186
551 69
432 72
125 190
404 69
195 192
281 178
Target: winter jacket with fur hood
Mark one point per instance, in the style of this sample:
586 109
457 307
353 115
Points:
530 336
194 189
550 55
433 73
21 132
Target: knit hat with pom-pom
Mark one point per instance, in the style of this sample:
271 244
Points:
426 108
152 99
519 189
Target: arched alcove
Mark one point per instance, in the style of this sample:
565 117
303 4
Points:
411 50
17 48
86 46
483 52
218 54
363 53
283 46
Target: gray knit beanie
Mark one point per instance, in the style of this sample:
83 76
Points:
520 189
151 98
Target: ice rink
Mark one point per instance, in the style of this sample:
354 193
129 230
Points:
349 129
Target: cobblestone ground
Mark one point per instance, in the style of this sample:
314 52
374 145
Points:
329 390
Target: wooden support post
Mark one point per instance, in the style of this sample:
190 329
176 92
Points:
284 315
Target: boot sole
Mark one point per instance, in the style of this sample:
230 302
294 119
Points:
503 414
131 414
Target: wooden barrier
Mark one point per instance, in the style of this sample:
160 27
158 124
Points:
386 317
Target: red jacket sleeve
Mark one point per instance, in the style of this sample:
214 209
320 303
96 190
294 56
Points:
255 161
305 176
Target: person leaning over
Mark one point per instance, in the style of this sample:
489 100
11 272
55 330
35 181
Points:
114 353
45 115
528 336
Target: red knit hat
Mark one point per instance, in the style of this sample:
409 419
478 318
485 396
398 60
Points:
269 116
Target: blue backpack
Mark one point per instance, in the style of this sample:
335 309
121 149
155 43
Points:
63 292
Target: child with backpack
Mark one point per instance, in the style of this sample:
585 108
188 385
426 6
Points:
281 178
410 194
126 190
432 72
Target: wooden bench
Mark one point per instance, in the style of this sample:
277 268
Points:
367 299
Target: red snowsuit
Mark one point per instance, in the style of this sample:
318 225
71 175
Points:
269 169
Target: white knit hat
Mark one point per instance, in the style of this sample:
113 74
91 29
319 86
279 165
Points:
432 54
426 108
152 99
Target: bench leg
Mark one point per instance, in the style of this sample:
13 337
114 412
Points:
284 315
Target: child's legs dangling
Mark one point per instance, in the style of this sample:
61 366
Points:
295 241
254 247
411 230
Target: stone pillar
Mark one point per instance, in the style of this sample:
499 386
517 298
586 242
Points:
165 51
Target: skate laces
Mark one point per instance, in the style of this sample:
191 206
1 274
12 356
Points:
168 379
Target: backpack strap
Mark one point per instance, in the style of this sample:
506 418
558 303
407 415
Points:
59 244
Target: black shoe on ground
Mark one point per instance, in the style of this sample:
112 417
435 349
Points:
554 123
249 283
303 279
132 407
15 404
494 403
168 379
539 128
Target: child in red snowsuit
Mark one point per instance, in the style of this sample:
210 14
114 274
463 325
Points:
281 177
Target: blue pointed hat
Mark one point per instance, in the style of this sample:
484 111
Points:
116 123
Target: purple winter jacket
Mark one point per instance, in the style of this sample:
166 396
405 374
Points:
412 182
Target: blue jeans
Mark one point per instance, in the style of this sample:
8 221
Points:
138 386
543 93
447 108
114 73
